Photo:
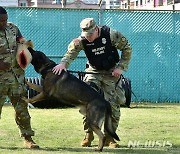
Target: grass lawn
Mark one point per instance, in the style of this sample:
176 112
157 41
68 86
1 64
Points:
146 129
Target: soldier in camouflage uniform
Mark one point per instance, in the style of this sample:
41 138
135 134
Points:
100 44
12 77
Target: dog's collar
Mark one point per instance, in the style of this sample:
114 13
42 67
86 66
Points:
46 69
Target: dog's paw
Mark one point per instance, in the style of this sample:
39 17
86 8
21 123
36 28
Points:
26 99
28 83
98 149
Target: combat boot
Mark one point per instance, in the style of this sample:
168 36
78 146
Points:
29 143
89 137
110 142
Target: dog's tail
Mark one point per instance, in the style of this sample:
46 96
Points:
108 126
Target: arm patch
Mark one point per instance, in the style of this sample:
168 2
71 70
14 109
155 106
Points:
76 42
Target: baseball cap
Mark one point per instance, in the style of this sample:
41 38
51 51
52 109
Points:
88 26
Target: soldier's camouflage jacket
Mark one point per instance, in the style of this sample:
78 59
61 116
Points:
8 49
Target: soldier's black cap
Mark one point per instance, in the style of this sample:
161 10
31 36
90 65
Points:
2 10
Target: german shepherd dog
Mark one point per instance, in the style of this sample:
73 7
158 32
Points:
70 90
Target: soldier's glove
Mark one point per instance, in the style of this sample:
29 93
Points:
4 65
28 43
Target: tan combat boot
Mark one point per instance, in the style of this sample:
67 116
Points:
111 143
29 143
89 137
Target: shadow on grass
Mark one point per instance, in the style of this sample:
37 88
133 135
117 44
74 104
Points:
122 149
150 106
10 148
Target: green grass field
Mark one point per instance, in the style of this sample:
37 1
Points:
156 127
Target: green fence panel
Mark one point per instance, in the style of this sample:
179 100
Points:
154 35
155 38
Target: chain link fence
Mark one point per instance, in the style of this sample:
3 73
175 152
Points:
154 35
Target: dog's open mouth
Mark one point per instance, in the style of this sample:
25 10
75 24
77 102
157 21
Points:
23 60
23 56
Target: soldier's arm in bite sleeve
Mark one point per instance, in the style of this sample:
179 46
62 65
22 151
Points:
21 39
121 43
19 36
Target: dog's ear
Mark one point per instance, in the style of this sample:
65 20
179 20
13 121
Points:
31 50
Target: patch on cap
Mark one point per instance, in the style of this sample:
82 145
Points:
88 26
23 56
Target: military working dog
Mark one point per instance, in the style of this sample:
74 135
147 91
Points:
69 89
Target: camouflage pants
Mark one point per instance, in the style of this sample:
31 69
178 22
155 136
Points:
22 117
115 96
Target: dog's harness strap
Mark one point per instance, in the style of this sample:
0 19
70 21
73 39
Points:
80 72
44 71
